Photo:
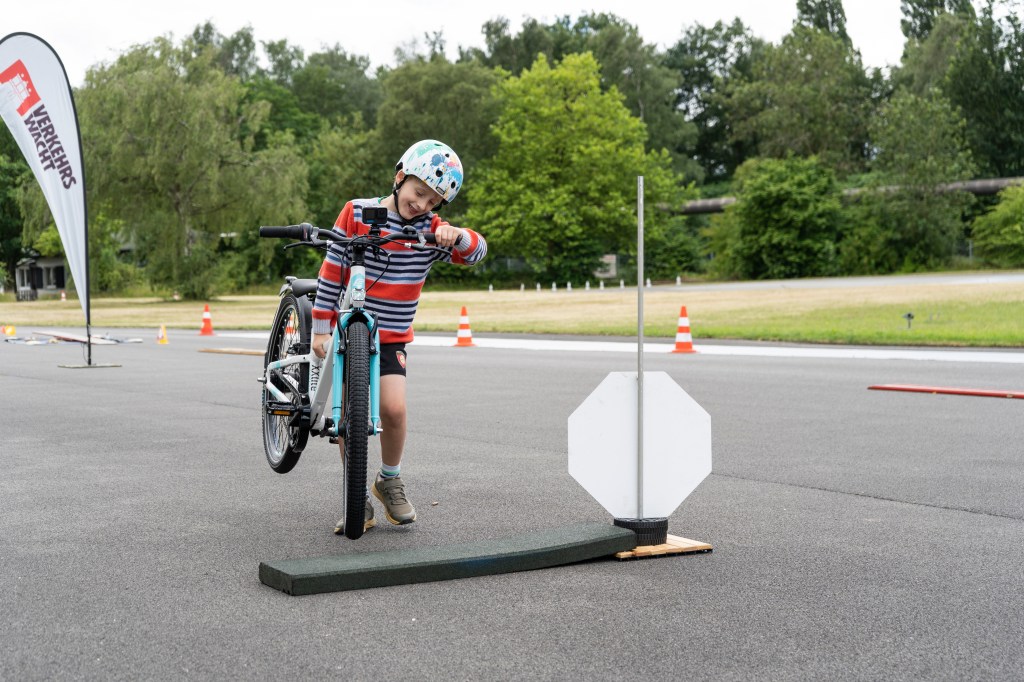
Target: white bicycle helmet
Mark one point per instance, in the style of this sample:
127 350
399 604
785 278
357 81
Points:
436 164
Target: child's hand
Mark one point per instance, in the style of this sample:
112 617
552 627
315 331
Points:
319 341
447 235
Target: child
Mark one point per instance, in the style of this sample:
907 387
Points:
428 176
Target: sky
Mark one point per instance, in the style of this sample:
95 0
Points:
87 32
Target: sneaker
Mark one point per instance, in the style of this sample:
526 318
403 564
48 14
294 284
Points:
368 521
391 491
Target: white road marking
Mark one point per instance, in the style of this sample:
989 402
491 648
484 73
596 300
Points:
824 352
844 353
243 335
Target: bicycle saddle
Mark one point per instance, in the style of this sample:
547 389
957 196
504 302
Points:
302 287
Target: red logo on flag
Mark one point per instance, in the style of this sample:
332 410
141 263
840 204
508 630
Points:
17 75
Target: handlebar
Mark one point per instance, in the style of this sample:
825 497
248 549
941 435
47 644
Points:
306 233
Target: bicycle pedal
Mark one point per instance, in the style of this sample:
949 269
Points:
280 409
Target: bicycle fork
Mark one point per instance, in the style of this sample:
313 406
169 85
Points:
338 371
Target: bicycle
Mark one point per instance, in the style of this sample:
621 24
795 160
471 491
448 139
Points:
297 384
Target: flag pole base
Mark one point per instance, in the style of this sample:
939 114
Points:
649 531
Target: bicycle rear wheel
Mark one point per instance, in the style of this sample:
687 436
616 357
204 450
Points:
284 431
357 420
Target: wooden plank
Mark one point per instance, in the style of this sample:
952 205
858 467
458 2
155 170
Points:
674 546
233 351
78 338
687 544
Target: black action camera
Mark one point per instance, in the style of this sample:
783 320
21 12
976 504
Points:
375 215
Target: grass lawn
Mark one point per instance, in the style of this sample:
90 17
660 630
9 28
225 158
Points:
944 314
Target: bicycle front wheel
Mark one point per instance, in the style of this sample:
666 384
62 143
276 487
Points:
357 420
284 433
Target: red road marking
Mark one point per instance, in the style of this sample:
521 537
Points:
948 391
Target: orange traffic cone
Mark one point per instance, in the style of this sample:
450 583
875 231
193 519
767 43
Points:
161 336
465 337
63 296
207 329
684 342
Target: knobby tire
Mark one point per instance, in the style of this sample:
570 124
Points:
357 419
283 441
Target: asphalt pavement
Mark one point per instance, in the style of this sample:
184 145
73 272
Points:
857 534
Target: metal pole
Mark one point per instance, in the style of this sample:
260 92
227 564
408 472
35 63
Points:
640 347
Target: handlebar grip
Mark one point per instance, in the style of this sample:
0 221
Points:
288 232
431 238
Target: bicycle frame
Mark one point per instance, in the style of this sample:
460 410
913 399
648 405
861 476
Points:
296 397
328 372
324 375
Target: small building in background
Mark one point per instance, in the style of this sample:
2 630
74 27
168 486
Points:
38 276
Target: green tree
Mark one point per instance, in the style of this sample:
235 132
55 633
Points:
343 165
291 107
904 222
169 139
516 53
328 86
648 86
809 96
433 47
12 171
48 243
823 15
926 61
785 223
627 63
284 60
437 99
561 188
708 60
921 16
285 113
234 55
336 86
999 234
985 81
109 272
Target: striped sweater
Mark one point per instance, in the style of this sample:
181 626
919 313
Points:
393 290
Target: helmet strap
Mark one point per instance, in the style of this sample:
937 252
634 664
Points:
394 192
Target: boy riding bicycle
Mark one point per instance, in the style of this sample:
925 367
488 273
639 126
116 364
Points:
428 176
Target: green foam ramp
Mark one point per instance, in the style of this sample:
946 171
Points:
358 571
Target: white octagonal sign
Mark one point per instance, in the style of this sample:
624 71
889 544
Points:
603 445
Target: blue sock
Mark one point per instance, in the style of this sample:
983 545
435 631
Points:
389 471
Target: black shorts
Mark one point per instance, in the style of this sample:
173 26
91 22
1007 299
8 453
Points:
392 359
